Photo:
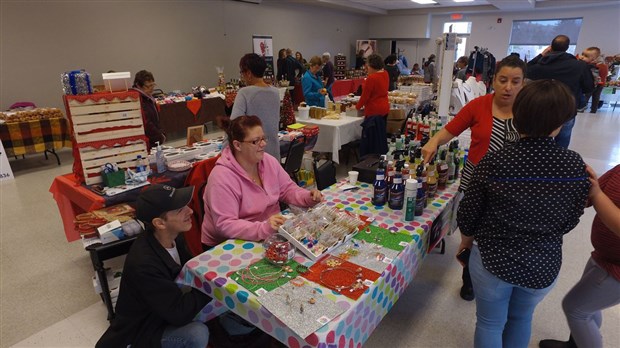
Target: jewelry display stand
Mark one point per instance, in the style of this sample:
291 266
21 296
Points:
386 238
370 255
341 276
302 308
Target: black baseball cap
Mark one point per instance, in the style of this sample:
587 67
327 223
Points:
158 199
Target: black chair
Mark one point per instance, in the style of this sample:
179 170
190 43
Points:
325 174
295 157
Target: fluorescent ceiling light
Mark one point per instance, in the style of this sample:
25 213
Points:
424 2
462 0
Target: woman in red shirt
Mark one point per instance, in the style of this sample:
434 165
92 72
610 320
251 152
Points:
376 105
490 119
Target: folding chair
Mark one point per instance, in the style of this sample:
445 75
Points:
325 174
295 157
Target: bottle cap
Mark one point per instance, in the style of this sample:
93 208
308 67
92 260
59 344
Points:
411 184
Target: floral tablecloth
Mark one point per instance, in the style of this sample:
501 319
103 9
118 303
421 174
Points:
210 272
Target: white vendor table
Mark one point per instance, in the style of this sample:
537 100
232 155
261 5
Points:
335 133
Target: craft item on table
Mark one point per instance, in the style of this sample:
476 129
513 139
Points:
112 175
341 276
301 307
278 250
319 230
76 82
263 276
31 115
370 255
113 191
386 238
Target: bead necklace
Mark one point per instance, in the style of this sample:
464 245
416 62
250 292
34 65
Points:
355 284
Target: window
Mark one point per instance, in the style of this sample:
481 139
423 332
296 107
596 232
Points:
461 28
457 27
530 38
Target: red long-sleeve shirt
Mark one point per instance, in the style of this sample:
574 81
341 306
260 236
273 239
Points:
606 243
375 95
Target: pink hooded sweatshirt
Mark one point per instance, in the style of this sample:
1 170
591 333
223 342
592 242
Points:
238 208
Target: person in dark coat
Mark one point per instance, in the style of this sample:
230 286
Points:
555 63
144 83
152 310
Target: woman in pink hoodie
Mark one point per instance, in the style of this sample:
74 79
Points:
245 187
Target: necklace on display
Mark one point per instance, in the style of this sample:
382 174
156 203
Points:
353 285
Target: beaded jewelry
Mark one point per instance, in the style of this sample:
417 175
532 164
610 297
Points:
354 285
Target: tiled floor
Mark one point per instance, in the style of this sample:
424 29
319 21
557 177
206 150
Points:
47 298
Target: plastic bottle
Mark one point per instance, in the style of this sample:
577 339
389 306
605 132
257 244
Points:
406 172
397 193
159 159
431 179
379 196
140 166
420 201
442 171
451 168
411 188
391 170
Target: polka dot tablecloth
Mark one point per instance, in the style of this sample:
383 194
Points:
210 272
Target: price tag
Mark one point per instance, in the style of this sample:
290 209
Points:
387 260
403 244
260 292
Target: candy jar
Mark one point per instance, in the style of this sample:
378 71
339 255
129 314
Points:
278 250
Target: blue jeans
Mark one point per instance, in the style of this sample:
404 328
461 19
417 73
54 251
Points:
192 335
595 291
503 310
563 138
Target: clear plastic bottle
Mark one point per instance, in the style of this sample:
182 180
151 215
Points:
141 166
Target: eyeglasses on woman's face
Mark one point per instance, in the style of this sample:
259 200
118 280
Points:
256 141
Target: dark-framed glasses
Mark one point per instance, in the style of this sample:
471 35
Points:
255 141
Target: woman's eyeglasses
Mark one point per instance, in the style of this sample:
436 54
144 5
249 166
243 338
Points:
255 141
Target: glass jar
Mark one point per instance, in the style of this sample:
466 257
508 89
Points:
278 250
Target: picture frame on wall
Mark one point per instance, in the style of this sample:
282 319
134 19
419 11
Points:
195 134
368 46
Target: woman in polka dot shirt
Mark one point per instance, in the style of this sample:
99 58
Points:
520 201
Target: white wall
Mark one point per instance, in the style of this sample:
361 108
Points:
600 27
180 42
399 27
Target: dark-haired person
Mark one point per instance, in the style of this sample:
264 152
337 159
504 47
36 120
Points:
490 119
520 202
245 187
430 72
374 100
281 65
555 63
144 83
328 74
392 70
260 99
152 310
314 91
461 68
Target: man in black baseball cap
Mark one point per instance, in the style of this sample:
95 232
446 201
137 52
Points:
152 310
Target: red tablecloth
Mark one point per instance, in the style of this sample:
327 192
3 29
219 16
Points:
74 199
344 87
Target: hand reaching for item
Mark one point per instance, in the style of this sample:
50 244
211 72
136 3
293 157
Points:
317 196
276 221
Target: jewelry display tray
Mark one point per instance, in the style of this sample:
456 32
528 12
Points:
312 256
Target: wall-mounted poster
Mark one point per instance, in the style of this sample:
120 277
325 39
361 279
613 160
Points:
263 46
368 46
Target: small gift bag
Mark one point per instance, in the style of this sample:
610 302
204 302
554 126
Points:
113 179
76 82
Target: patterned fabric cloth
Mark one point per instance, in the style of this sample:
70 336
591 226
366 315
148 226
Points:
521 200
22 138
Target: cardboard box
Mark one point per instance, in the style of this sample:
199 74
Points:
394 126
111 232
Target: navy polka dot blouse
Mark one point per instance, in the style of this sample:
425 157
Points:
520 202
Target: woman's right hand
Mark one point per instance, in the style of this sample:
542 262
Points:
429 151
594 186
323 91
275 221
